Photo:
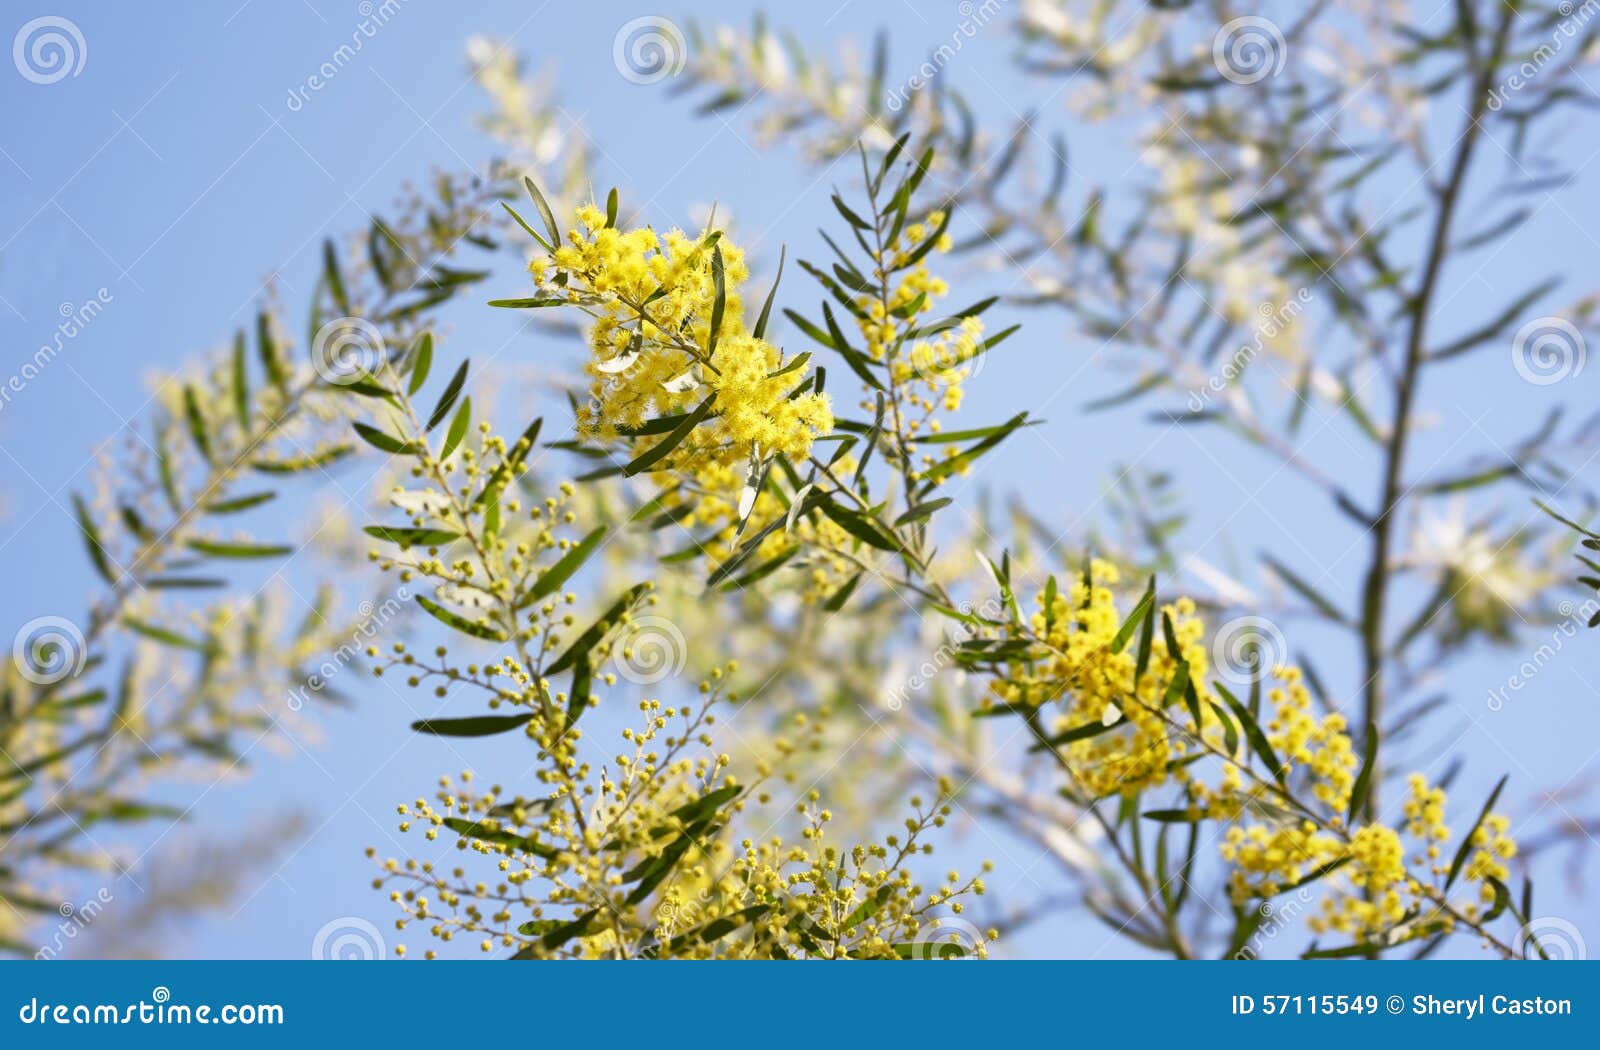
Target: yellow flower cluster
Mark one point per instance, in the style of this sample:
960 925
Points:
1092 684
498 542
1321 746
928 363
635 860
653 299
714 492
1285 827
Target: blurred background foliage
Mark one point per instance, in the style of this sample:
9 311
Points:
1288 265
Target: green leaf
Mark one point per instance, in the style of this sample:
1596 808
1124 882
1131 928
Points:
596 631
241 384
849 216
578 695
653 870
458 428
1502 900
560 933
762 571
1172 816
330 273
478 725
1083 732
296 464
794 364
196 422
817 334
1252 731
460 623
1304 589
421 362
218 549
1178 687
546 245
946 467
169 482
552 578
184 583
1138 614
655 453
528 303
1467 846
859 363
719 302
921 510
706 805
480 830
409 537
1169 634
760 330
1345 952
545 213
448 398
868 530
503 469
92 541
240 503
717 928
385 442
267 349
1147 635
160 634
1363 785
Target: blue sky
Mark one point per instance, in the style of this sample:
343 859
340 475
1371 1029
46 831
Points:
173 174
